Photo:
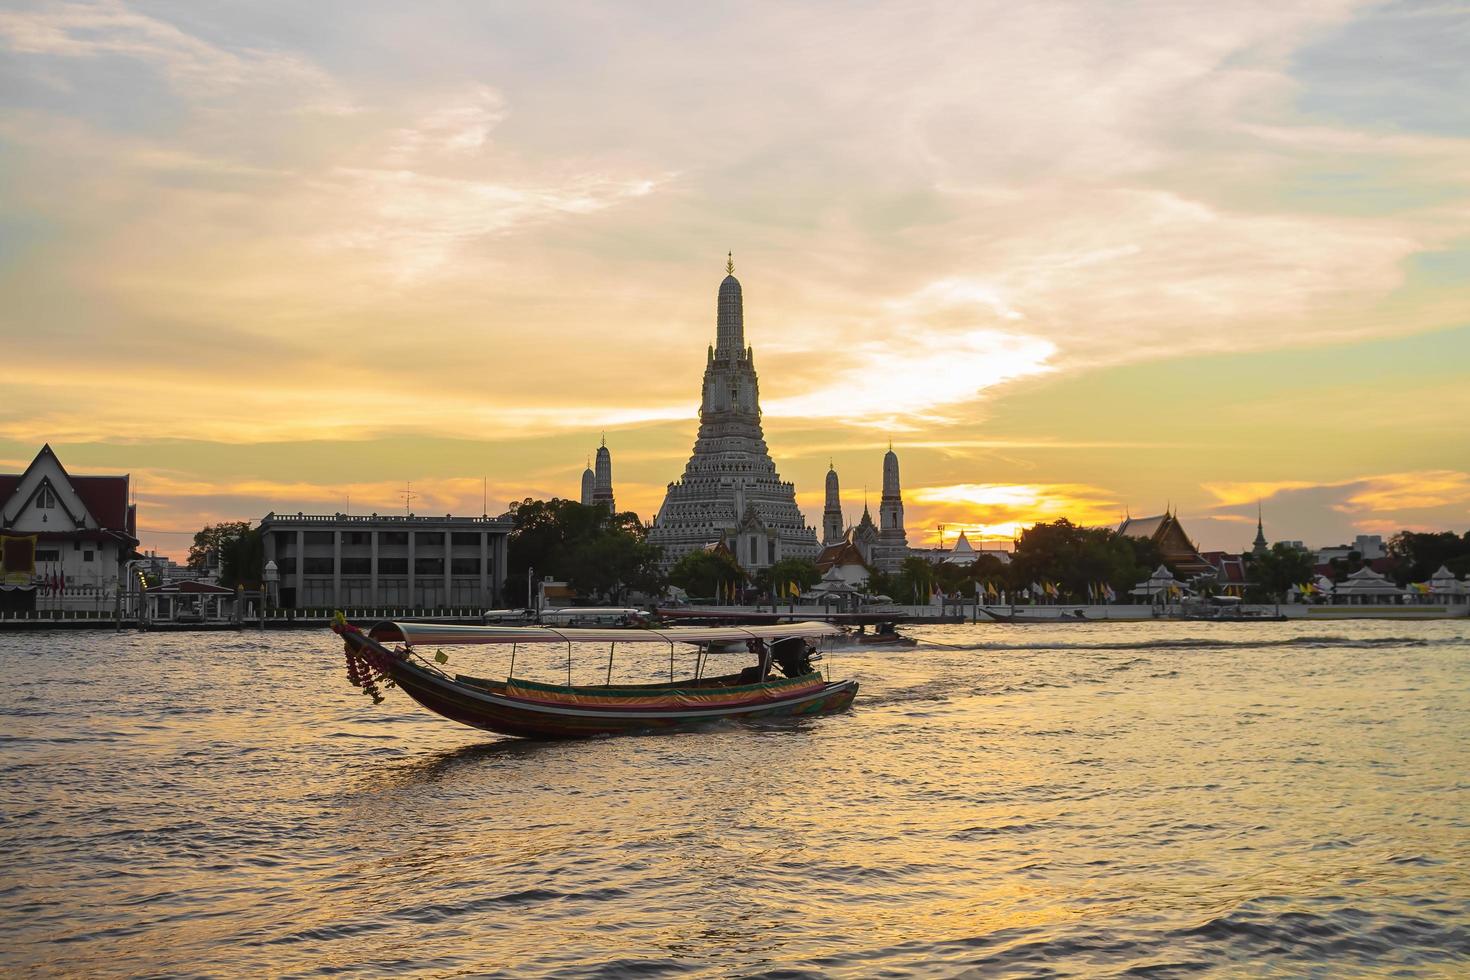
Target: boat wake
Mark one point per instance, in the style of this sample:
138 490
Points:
1206 643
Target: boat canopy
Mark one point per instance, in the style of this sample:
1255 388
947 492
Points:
448 633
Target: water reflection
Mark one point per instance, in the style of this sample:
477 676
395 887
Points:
1151 797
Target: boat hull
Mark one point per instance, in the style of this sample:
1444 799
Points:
585 712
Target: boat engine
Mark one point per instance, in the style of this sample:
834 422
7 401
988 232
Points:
793 655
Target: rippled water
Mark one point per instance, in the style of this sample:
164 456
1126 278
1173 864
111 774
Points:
1154 799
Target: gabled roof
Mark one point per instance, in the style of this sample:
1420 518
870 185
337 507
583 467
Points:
1143 527
963 546
104 497
841 553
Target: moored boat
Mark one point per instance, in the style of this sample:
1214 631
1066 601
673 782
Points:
389 653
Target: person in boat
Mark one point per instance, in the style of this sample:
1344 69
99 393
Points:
792 655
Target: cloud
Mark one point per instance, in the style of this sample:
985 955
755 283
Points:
1000 511
1336 510
916 376
460 125
413 223
193 66
501 223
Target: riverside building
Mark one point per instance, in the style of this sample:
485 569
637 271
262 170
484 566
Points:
730 490
64 540
340 560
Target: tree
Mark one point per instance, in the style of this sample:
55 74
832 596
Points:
706 573
987 568
212 540
595 552
1277 570
777 578
1421 553
1077 558
914 582
238 548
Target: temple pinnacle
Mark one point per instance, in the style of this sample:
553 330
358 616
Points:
729 263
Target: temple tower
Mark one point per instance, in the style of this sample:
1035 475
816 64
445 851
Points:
832 531
893 543
589 480
602 490
730 490
1259 546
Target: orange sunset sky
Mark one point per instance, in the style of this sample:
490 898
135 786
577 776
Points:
1072 259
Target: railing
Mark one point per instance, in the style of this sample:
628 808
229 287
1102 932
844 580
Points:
385 519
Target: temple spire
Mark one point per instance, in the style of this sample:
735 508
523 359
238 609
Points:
730 317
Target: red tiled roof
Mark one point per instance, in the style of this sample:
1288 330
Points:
106 498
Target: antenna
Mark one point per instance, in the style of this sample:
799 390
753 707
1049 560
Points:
484 496
407 494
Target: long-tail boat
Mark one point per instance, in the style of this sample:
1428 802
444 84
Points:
390 653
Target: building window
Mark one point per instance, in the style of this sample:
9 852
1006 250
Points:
357 566
428 566
393 538
317 537
392 566
356 537
46 499
48 554
465 537
465 566
317 566
88 555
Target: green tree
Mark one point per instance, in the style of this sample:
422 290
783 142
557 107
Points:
1276 571
1079 557
211 541
238 548
987 568
914 582
776 578
706 573
1420 554
597 553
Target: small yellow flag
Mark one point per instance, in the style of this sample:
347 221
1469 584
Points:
440 657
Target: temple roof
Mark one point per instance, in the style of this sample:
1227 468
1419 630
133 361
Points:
1143 527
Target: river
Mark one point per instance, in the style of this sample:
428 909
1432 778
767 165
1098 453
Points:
1151 799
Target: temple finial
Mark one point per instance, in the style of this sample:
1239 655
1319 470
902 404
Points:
604 437
729 263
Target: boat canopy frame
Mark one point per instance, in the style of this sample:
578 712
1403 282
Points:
447 634
451 634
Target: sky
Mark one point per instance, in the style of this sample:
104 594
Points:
1070 259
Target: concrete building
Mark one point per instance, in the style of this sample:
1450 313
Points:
340 560
64 540
730 489
1368 547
